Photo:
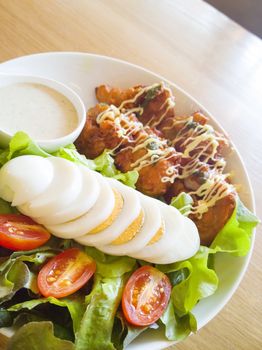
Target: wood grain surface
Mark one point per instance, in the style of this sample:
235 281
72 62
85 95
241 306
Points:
208 55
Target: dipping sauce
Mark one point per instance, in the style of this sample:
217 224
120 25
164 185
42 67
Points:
42 112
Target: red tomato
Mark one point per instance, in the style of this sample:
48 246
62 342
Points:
65 273
19 232
146 296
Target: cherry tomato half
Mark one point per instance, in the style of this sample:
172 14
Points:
19 232
65 273
145 296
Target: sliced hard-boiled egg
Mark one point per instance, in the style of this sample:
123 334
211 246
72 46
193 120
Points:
24 178
185 248
88 195
77 203
108 202
127 223
175 240
62 191
153 224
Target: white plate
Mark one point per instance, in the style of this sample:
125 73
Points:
83 72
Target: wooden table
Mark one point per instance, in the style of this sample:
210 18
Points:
201 50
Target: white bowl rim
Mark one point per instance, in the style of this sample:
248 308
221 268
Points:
64 90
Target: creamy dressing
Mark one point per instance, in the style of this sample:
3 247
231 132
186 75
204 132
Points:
38 110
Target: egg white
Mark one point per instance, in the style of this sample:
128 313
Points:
130 212
185 247
61 192
173 240
101 210
24 178
88 195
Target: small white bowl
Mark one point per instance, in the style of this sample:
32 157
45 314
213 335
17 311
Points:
49 145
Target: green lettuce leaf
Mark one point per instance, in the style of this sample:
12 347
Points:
183 202
21 144
38 336
235 236
70 153
192 280
110 266
97 323
63 331
177 328
102 303
105 165
5 207
6 319
124 333
16 276
74 304
195 282
18 270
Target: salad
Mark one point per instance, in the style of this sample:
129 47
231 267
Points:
79 297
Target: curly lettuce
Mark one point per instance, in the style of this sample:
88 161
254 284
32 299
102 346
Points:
38 336
91 318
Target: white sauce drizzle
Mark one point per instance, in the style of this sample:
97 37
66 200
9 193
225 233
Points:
128 130
140 93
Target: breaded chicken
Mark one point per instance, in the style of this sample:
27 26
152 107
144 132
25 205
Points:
214 219
94 138
115 96
124 134
150 98
150 176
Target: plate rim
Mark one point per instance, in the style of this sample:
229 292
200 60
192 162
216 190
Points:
251 196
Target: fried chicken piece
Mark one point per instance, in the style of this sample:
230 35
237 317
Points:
184 132
108 133
95 138
171 126
158 111
150 176
115 96
214 219
190 183
151 98
158 105
157 102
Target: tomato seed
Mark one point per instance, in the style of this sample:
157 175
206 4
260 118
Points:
51 279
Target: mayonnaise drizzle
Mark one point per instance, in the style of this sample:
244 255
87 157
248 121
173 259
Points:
128 130
214 189
140 93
